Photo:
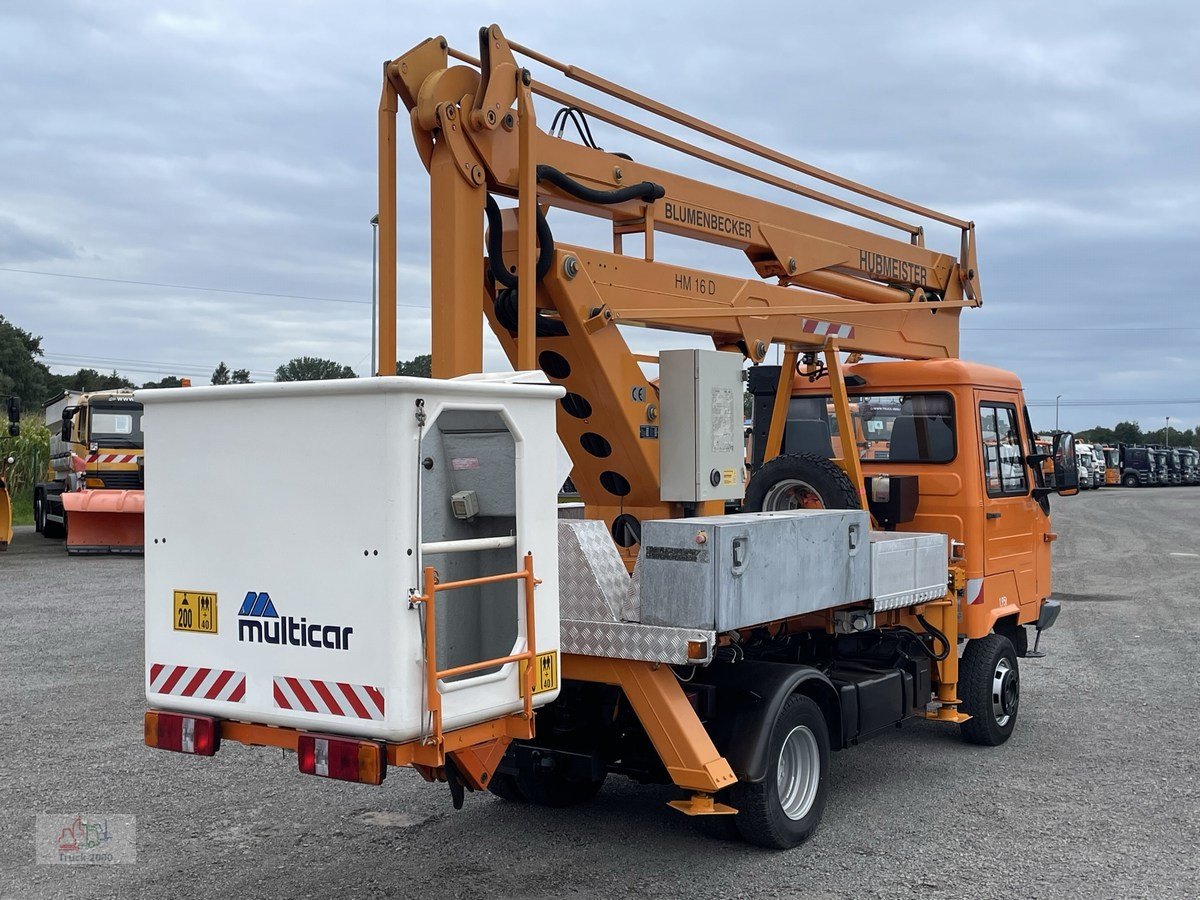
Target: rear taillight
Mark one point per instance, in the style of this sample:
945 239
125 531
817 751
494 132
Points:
342 758
182 733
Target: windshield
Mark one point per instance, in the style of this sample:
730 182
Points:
897 427
116 426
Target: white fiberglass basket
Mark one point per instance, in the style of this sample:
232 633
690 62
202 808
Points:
284 532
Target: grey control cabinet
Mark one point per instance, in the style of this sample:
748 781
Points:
702 448
729 572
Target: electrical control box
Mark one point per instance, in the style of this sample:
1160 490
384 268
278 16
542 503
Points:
702 448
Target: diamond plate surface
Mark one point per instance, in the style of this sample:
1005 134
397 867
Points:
909 598
592 582
629 640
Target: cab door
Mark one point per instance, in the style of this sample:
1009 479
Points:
1013 522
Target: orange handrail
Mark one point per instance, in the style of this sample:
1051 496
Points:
431 587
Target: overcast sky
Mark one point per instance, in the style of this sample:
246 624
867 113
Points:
231 145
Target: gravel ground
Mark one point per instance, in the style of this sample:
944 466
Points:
1095 795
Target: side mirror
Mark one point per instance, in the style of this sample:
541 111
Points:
67 415
14 410
1066 469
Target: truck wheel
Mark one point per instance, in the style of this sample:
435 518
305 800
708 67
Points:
800 481
989 683
786 808
554 790
1130 480
505 787
39 512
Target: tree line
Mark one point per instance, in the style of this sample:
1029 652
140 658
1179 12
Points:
1131 433
24 375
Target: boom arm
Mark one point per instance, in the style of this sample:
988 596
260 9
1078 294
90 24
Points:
554 306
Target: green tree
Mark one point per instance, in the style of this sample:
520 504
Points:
420 366
20 372
1128 432
241 376
87 380
312 368
1098 435
169 382
220 374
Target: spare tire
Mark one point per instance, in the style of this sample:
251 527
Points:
800 481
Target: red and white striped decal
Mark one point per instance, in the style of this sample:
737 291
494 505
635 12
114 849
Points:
333 698
827 329
112 458
197 681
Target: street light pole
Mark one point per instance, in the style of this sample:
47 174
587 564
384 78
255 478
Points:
1168 432
1056 399
374 270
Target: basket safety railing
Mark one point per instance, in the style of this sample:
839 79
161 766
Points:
430 589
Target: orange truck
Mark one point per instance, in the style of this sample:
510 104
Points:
704 669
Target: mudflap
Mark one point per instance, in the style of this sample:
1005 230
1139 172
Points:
105 521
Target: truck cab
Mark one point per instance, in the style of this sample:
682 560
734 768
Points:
1162 466
1112 465
96 472
1086 463
1138 466
1099 467
963 430
1188 463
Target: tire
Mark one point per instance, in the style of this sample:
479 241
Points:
800 481
1130 480
505 787
780 816
39 512
553 790
989 683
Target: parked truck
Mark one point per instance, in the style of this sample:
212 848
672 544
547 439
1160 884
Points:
93 495
701 628
1138 466
1086 463
1112 465
1190 462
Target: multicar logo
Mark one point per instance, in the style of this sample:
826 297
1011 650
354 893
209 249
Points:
259 623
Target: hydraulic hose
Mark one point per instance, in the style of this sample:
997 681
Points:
495 245
646 191
936 635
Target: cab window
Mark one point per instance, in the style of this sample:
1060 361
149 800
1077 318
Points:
902 428
1003 460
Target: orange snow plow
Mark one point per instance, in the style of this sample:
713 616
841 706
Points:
105 521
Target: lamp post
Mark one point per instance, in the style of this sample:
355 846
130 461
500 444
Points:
1168 432
374 270
1056 399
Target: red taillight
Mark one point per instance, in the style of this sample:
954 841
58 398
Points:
342 758
184 734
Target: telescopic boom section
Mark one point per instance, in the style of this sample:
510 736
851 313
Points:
877 289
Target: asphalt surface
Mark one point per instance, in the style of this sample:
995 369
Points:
1094 796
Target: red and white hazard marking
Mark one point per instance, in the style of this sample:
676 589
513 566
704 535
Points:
333 698
197 681
112 458
827 329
